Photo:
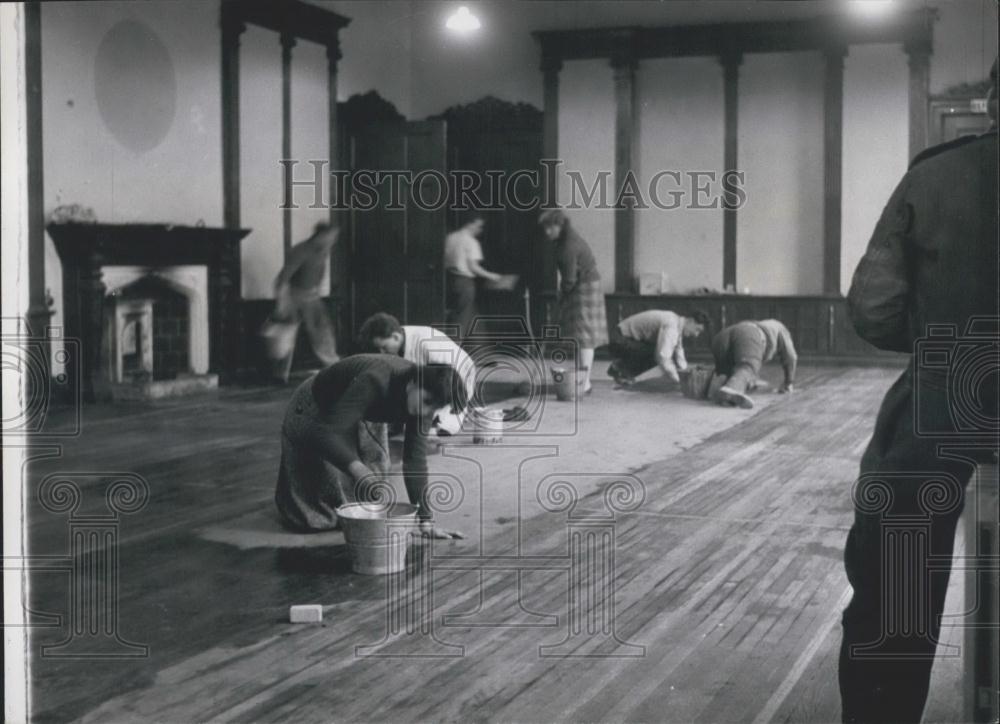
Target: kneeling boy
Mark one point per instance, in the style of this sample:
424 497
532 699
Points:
654 338
422 346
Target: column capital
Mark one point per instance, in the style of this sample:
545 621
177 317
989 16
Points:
835 53
918 51
731 59
623 55
333 53
624 63
551 63
232 24
287 41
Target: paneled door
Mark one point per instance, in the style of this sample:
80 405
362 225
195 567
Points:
396 243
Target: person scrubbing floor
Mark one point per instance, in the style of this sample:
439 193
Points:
653 338
741 349
323 464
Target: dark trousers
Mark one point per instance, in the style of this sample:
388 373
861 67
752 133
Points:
739 353
632 357
460 299
907 502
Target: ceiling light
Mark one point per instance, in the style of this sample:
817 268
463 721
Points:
871 8
463 21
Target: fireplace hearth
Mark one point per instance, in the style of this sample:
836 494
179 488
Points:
156 308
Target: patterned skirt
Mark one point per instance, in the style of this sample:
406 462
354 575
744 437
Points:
582 315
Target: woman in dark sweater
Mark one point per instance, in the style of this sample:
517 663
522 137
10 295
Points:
581 303
325 461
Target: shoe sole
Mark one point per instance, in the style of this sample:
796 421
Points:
732 397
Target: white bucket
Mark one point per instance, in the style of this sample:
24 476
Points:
489 427
564 381
377 535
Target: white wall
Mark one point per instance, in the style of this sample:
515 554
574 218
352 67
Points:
401 49
586 145
779 230
177 178
260 172
681 128
378 49
180 179
310 135
876 143
965 42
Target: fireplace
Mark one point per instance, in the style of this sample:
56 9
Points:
128 333
156 308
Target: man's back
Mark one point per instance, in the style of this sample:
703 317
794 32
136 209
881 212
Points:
933 256
955 235
461 247
646 325
932 260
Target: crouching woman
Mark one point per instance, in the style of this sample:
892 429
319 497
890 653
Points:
327 459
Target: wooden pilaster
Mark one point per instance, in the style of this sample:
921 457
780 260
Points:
624 63
287 43
731 73
833 146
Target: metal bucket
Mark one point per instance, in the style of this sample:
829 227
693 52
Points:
489 426
564 380
695 382
377 535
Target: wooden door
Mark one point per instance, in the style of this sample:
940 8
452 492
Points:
426 227
396 245
954 117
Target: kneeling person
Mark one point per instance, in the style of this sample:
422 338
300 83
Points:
739 352
653 338
322 461
422 346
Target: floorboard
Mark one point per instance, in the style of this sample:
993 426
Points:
728 577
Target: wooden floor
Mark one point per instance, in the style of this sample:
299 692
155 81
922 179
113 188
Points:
727 585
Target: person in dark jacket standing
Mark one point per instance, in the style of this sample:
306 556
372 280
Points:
927 286
581 302
323 460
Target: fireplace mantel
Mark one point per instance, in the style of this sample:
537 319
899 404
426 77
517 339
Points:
85 248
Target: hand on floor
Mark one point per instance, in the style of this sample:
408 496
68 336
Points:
429 530
622 380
